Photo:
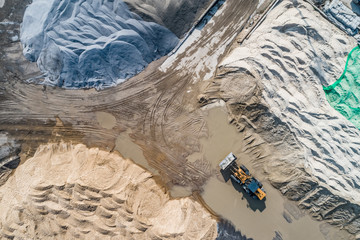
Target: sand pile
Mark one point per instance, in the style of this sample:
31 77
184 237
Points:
176 15
82 44
292 55
67 192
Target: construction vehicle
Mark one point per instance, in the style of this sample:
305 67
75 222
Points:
242 176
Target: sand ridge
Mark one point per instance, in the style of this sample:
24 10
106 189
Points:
290 56
69 191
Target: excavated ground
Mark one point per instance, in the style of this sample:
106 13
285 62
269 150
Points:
159 107
158 113
157 110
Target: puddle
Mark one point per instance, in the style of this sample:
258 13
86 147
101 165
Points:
106 120
260 220
179 191
129 149
254 218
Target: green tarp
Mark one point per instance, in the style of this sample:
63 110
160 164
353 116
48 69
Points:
344 94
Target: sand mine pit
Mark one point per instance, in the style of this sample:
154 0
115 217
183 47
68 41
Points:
221 90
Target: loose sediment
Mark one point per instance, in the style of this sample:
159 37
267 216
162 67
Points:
114 44
160 110
284 65
69 191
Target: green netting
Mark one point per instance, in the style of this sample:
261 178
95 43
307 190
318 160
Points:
344 94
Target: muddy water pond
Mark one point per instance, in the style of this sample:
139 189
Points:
276 216
128 149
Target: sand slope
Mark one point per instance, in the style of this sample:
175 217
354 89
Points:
176 15
67 192
292 55
82 44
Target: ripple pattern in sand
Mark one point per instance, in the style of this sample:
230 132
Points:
67 192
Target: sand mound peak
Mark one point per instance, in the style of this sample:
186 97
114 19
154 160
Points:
84 44
69 191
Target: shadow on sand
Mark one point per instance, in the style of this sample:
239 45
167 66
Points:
355 8
253 204
210 13
227 231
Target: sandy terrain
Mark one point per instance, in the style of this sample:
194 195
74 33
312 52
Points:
284 64
86 44
159 122
160 108
275 215
68 191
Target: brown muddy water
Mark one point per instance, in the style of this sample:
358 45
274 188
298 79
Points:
256 219
124 144
128 149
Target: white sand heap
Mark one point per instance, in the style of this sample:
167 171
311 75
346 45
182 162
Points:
67 192
82 44
294 53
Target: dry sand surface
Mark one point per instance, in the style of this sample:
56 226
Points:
69 191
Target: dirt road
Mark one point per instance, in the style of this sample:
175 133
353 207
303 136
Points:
160 107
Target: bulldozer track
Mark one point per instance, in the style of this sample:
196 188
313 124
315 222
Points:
149 104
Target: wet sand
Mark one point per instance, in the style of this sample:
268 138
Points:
128 149
152 102
106 120
256 219
223 138
180 191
